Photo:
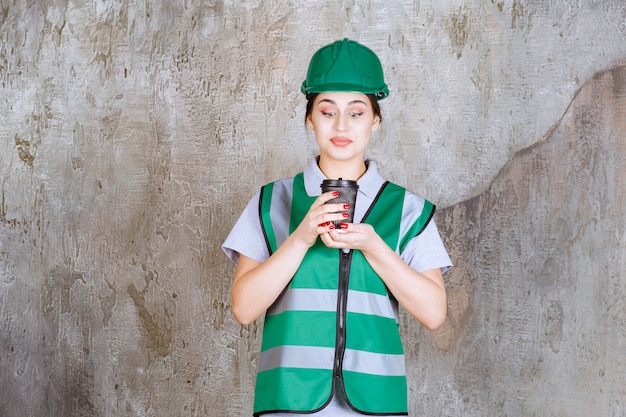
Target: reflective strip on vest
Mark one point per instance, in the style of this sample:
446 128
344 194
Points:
322 358
297 357
417 213
301 334
326 300
373 363
277 200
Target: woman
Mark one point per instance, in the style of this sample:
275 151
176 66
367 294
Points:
331 345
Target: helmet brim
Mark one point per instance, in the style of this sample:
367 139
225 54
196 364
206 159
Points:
380 92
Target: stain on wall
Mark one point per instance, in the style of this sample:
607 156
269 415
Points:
536 298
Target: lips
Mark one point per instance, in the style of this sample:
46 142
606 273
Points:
340 141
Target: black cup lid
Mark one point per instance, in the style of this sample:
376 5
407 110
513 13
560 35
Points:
339 183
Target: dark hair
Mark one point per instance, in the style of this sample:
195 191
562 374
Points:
310 99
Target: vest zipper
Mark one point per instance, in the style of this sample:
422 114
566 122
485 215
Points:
345 260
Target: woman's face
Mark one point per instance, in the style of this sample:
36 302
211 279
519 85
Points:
343 124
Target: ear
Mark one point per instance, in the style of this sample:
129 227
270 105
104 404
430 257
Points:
309 123
375 123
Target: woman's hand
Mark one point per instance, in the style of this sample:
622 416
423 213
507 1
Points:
257 284
359 236
319 219
422 294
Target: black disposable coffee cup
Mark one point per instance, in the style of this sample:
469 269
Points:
347 195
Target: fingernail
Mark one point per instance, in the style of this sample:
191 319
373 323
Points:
346 215
332 226
346 206
343 225
335 193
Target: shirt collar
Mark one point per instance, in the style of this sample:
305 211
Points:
369 183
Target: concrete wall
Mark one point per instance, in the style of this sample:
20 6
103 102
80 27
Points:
133 133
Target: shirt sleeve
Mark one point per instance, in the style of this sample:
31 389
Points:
426 251
246 237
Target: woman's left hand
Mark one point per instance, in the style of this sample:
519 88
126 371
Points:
350 236
422 294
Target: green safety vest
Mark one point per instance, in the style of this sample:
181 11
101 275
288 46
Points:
336 324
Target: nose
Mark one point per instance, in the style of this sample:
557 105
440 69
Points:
341 122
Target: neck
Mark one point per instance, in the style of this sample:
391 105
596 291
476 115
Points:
348 170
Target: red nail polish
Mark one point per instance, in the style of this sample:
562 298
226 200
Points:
335 193
346 215
343 225
346 206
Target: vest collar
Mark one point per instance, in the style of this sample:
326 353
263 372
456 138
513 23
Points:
369 183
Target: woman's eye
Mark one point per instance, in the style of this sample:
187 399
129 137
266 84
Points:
328 113
354 115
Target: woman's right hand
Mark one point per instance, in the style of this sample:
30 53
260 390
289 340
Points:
320 217
257 284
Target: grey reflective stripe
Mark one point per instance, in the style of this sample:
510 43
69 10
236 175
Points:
373 363
304 299
280 207
370 303
308 299
411 210
322 358
297 357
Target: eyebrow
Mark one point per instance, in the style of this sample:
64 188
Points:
349 104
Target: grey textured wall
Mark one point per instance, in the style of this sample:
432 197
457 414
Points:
133 133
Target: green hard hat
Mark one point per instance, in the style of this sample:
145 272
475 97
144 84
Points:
345 66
